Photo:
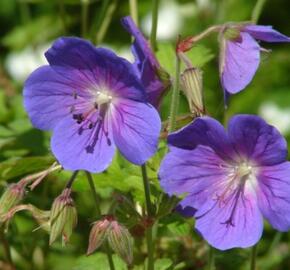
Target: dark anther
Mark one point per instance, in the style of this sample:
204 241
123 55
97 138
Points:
79 117
80 131
96 105
90 149
91 125
109 142
75 95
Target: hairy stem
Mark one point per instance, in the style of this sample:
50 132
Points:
155 4
146 190
257 10
94 193
149 231
62 15
275 242
6 247
85 9
175 97
99 214
207 32
106 21
211 259
253 257
134 10
71 180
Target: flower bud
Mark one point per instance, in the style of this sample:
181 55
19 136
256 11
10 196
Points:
98 234
11 197
121 241
191 80
63 217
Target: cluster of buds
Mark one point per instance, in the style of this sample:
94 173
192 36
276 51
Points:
118 237
63 217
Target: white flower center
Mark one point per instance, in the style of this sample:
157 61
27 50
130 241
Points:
243 169
245 173
102 98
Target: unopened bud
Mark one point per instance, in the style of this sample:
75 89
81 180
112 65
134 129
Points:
98 234
11 197
63 217
121 242
191 80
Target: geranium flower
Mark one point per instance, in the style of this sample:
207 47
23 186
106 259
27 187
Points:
146 64
240 53
231 178
93 102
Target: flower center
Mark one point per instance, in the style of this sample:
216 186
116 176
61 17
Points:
90 114
102 98
241 181
243 169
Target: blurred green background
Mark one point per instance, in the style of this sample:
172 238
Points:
28 27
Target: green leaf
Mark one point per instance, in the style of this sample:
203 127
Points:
98 261
199 55
179 229
163 264
3 107
27 34
19 167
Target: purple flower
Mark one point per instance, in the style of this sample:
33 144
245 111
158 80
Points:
93 102
240 54
231 178
146 64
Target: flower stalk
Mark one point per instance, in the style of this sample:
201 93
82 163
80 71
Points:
149 209
175 97
85 9
253 257
99 213
257 10
211 259
187 43
154 26
134 11
104 25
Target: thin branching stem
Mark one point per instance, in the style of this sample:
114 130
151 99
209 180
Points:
72 179
153 35
85 9
253 257
175 97
99 214
257 10
6 247
149 230
134 11
211 259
